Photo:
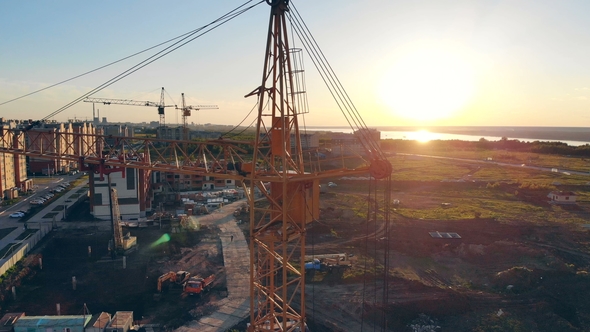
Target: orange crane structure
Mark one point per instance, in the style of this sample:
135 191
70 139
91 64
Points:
186 112
276 171
161 105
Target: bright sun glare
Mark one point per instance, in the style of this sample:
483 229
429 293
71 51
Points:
421 136
427 84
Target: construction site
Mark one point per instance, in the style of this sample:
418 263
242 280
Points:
320 239
509 274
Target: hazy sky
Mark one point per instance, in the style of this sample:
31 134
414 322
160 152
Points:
472 62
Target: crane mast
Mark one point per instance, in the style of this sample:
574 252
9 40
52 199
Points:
276 172
277 230
161 110
186 112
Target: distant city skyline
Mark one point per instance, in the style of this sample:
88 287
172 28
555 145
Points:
419 63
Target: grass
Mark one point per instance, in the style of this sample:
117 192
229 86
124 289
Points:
409 168
498 203
26 234
486 190
514 157
50 215
6 231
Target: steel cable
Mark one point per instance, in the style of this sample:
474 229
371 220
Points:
169 49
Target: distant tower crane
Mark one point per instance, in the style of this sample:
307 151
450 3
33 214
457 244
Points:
186 112
160 105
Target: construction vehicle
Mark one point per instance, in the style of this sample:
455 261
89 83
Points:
179 278
328 262
198 285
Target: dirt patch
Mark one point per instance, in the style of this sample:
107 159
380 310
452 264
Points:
499 275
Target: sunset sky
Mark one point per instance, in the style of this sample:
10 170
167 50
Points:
403 63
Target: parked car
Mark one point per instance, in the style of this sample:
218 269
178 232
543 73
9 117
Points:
17 215
38 200
59 189
332 184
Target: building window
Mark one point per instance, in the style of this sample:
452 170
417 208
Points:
228 181
130 179
97 199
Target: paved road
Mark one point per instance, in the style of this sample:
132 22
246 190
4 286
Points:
37 220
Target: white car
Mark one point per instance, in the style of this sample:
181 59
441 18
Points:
332 184
59 189
17 215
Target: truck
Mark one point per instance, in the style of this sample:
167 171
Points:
198 285
179 278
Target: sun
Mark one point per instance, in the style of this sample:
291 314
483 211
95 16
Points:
427 84
422 136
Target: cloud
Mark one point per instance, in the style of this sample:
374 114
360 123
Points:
582 98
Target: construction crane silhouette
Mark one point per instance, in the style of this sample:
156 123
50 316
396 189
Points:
159 105
186 112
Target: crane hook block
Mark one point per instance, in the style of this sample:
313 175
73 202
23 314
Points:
380 169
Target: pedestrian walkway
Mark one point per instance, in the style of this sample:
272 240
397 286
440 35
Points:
236 255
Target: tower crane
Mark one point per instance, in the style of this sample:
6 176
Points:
186 112
159 105
275 169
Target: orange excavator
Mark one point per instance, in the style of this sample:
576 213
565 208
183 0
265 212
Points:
178 278
198 285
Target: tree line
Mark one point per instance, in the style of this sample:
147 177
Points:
557 148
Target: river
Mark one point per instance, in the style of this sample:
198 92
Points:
432 134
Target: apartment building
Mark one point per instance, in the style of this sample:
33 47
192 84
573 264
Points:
13 168
133 192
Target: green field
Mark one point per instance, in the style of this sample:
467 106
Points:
479 189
